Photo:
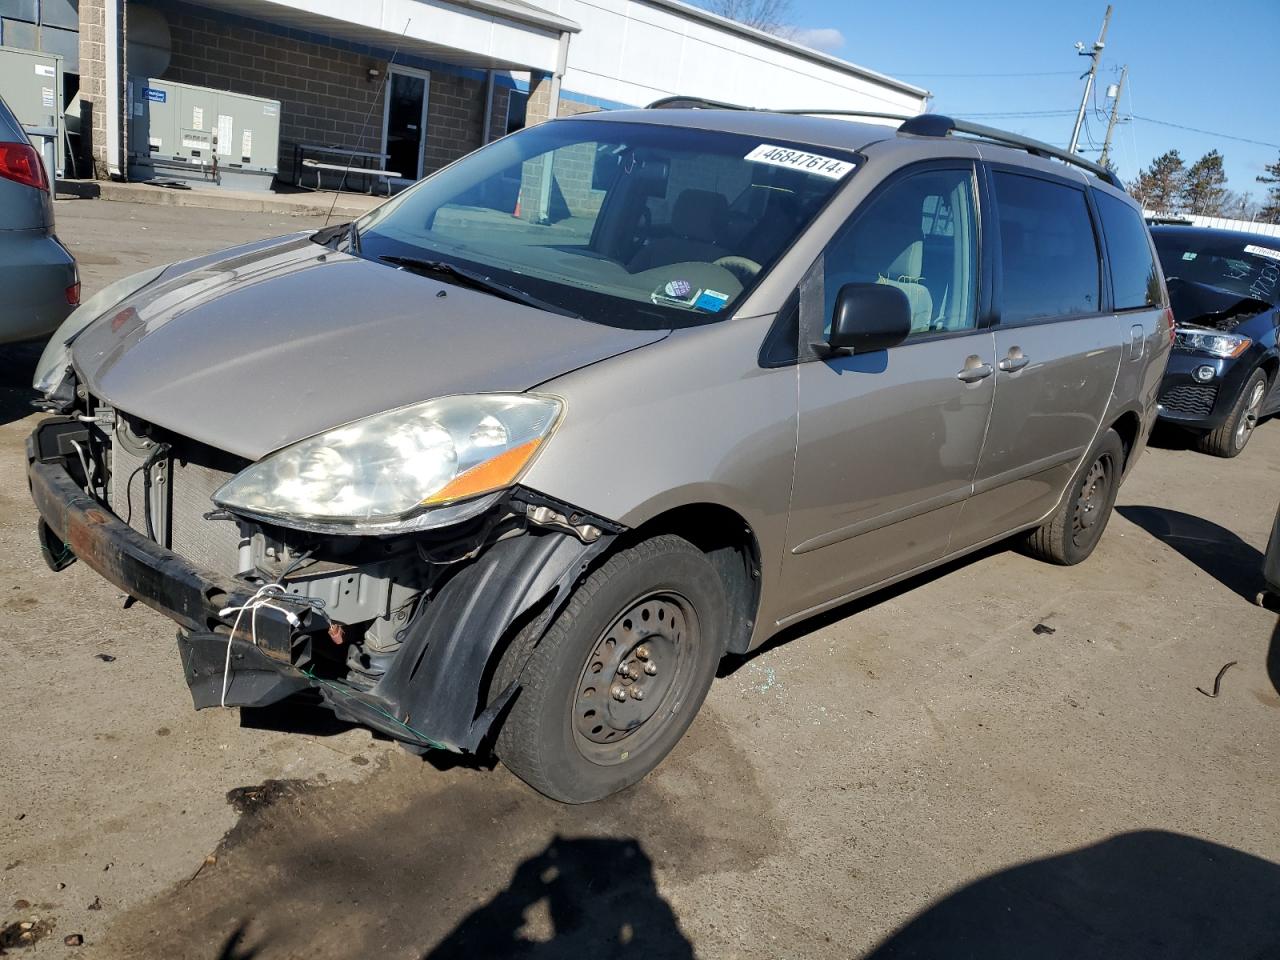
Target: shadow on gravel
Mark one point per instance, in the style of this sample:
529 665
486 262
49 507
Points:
1214 549
17 365
1149 894
1273 659
589 896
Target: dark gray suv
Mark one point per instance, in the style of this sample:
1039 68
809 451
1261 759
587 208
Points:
514 460
39 284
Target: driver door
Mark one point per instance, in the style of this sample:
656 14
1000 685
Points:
889 441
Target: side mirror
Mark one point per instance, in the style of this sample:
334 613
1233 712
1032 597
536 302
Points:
869 317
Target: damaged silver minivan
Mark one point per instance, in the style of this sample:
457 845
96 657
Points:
513 461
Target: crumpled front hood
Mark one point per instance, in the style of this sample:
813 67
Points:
272 343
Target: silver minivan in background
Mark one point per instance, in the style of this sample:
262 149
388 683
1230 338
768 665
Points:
512 462
39 284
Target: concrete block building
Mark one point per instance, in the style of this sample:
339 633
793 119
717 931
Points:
425 81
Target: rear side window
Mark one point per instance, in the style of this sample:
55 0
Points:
1133 268
1048 252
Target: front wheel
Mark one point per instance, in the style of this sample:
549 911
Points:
1070 535
615 681
1229 439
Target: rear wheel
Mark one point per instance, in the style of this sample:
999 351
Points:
1229 440
1070 535
616 679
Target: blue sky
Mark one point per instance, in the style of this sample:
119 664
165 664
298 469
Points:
1214 66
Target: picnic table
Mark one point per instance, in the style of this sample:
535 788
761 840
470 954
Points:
366 163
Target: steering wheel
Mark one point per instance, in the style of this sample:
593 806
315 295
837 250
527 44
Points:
743 268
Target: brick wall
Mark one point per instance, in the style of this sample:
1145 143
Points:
325 92
455 119
498 112
94 85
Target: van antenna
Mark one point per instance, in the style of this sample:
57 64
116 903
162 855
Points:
377 97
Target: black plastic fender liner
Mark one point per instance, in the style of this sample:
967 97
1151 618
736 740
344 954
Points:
435 683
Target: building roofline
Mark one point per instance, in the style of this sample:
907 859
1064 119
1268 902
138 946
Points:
790 46
524 13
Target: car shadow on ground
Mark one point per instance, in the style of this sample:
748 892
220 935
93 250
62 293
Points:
1214 549
1273 659
17 365
1148 894
733 662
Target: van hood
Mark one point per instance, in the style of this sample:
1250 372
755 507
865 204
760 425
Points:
271 343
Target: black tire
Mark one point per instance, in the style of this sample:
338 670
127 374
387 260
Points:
1075 528
657 609
1229 440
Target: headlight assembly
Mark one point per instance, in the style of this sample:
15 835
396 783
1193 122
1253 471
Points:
413 468
1224 345
57 352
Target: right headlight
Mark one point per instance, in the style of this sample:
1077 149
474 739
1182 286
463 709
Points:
57 352
408 469
1212 342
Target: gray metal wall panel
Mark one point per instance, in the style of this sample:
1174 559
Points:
15 33
18 10
66 43
59 13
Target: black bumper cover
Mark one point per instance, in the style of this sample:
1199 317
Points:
431 697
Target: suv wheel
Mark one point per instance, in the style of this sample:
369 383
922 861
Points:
1070 535
1229 439
616 679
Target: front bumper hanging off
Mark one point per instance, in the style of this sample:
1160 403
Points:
433 695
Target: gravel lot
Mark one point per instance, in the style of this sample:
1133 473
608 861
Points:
921 774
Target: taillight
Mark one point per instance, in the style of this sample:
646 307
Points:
20 163
73 294
1168 317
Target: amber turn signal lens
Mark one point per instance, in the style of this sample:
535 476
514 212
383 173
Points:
485 477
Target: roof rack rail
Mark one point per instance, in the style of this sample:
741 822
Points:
920 125
937 125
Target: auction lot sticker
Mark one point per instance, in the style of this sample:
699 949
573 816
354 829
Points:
815 163
1262 252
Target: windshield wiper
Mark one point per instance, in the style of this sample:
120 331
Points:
443 270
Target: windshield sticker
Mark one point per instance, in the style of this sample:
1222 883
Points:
814 163
1189 255
1262 252
679 289
712 301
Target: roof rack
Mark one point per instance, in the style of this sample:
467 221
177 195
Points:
937 125
920 125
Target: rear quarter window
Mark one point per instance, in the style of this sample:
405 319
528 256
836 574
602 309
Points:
1048 253
1134 277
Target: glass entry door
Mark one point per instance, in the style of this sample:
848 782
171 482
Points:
405 120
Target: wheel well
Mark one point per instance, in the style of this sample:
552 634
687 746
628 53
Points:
730 544
1128 427
1271 365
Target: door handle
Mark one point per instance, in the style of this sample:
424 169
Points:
1015 361
975 370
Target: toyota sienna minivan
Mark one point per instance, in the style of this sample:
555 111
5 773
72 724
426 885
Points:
510 463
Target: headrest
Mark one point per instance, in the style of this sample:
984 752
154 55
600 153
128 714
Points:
700 215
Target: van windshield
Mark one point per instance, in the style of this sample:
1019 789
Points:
633 225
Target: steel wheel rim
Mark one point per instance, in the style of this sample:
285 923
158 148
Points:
1249 419
641 655
1091 501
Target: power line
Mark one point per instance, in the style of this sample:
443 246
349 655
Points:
1209 133
1013 113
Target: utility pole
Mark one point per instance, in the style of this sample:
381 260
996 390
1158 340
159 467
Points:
1115 113
1094 55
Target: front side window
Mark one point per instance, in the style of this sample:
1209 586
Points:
1133 268
919 235
629 224
1048 253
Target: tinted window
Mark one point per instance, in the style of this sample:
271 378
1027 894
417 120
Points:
919 236
1133 269
1048 250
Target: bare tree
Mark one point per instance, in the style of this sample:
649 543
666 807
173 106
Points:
772 16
